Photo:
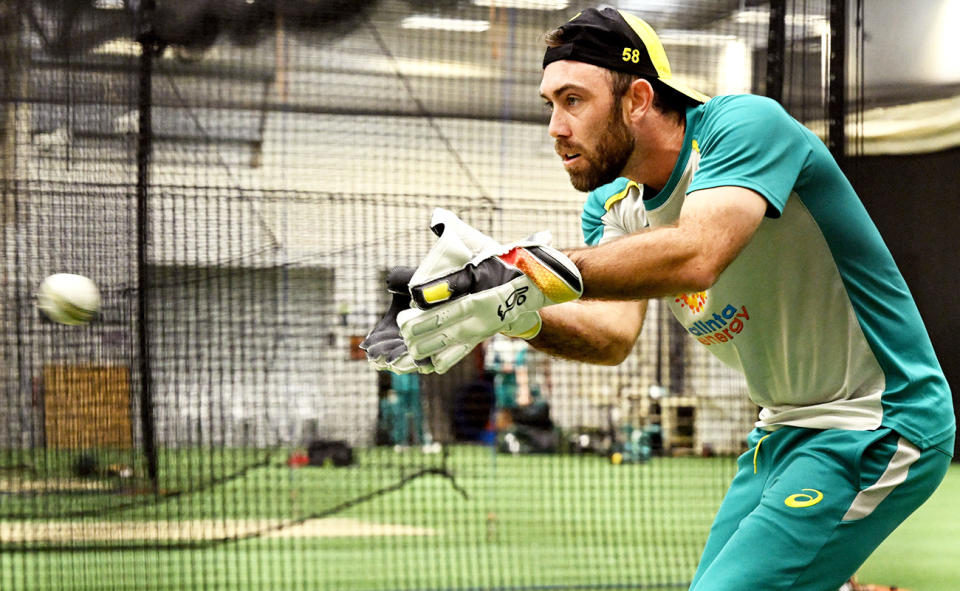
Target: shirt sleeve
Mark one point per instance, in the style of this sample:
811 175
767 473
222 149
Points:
752 142
597 225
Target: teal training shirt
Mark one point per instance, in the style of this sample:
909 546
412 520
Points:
814 311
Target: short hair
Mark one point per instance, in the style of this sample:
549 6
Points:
665 100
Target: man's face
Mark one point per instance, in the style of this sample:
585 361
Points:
587 123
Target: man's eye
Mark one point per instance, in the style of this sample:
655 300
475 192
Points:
572 100
548 105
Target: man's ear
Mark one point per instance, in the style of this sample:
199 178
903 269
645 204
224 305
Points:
638 99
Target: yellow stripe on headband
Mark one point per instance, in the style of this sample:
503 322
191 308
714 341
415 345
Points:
649 37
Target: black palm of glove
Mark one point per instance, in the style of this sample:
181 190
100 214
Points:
384 345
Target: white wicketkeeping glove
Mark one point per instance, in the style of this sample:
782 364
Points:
498 290
456 245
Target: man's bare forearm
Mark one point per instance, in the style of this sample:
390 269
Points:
714 226
600 332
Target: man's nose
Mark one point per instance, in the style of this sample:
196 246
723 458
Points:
558 125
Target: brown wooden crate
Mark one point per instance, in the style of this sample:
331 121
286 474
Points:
87 406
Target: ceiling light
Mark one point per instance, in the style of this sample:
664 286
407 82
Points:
117 47
648 6
695 38
414 67
762 17
423 22
525 4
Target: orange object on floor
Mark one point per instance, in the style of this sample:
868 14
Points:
298 459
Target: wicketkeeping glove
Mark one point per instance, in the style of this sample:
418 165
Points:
499 290
384 346
456 245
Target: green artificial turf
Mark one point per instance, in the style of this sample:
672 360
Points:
923 554
509 522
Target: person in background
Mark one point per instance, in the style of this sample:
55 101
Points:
401 411
506 359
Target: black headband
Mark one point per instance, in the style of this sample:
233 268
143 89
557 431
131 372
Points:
611 39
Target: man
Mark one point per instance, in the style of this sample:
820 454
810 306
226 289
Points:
401 410
740 218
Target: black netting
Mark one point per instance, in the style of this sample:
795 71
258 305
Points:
238 194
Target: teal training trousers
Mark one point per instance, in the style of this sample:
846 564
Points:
807 507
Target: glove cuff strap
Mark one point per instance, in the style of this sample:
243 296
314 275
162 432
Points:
530 332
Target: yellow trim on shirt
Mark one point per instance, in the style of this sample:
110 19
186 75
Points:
756 450
614 198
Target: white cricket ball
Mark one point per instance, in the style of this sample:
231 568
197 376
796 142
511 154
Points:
68 299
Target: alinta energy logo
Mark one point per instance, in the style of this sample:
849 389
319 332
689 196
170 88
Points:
694 301
721 327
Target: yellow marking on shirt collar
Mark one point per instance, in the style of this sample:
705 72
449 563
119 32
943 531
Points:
613 199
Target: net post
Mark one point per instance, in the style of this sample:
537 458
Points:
776 49
837 80
148 47
10 80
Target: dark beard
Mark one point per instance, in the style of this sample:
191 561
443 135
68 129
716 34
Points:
612 153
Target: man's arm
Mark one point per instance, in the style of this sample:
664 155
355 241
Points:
713 227
592 331
523 386
498 290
